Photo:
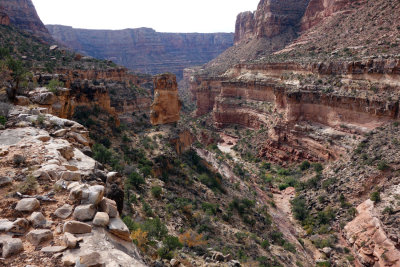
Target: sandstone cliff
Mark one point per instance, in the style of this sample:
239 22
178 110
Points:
166 106
271 18
145 50
22 14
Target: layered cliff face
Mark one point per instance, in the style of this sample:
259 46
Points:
271 18
318 10
166 106
143 49
22 14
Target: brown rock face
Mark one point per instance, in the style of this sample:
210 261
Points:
22 14
257 96
166 106
271 18
4 19
144 49
318 10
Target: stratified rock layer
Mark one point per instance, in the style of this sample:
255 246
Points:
144 49
166 106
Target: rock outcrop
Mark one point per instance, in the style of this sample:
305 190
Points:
166 106
271 18
144 49
22 14
4 18
59 173
318 10
272 96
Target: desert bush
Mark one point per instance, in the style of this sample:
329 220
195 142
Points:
156 191
28 186
192 239
305 165
101 153
299 208
19 159
3 120
135 179
170 243
139 237
375 196
382 166
54 85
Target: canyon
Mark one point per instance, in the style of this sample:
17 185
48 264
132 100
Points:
290 155
145 50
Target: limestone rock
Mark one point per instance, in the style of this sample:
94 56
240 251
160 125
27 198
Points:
117 227
60 133
84 212
101 219
5 225
70 176
70 240
53 249
27 204
93 195
64 212
10 246
67 152
166 106
19 226
75 227
68 260
90 260
4 180
22 100
79 138
109 206
38 220
38 236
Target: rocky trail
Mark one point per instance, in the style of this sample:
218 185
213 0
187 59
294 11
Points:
66 220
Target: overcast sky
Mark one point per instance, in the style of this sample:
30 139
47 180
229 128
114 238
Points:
161 15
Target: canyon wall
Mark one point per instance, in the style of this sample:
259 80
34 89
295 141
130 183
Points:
271 18
145 50
23 15
114 90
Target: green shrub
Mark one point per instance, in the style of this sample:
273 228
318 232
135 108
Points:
135 179
54 85
209 208
289 247
266 165
147 209
388 210
265 244
382 166
3 120
155 228
305 165
375 196
299 208
283 172
317 167
211 181
101 153
156 191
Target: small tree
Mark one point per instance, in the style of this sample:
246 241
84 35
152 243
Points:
18 74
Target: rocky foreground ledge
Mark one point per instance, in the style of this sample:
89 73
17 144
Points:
53 205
